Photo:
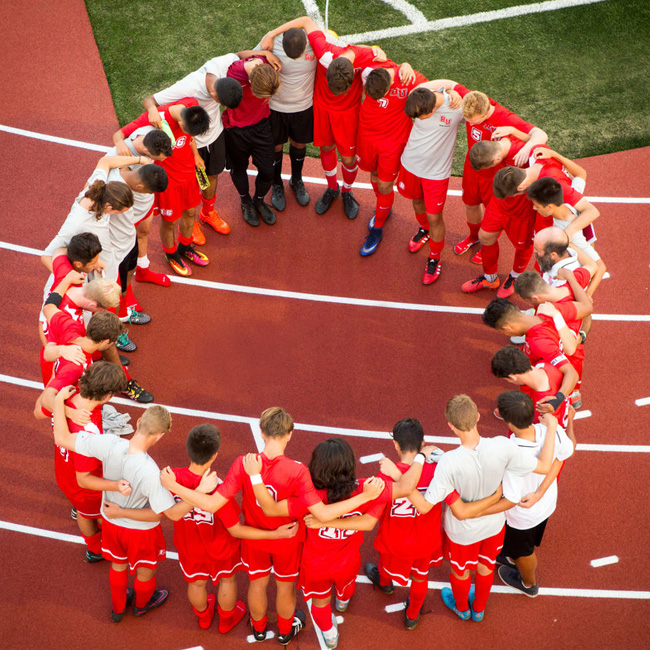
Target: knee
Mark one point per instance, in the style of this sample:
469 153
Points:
384 187
487 238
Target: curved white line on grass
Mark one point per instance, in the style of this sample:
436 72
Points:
464 21
412 13
312 10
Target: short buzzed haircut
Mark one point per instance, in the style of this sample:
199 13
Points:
102 379
196 120
546 191
510 361
340 75
421 101
229 92
203 442
102 326
481 155
156 419
275 422
408 434
507 181
499 312
294 42
378 83
157 143
475 103
83 248
516 408
154 177
461 412
530 283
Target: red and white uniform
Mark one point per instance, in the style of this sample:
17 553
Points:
283 478
206 550
384 127
183 191
331 555
555 378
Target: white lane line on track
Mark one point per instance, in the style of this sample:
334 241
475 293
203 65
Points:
395 607
337 300
644 401
251 172
362 579
604 561
373 458
311 428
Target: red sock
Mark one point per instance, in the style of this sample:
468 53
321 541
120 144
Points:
329 162
384 578
145 274
375 187
435 248
260 626
208 205
348 591
384 204
417 594
522 257
482 586
118 581
124 312
349 176
460 589
422 220
94 542
131 300
285 624
126 372
490 258
473 230
206 616
229 618
144 591
171 250
186 241
322 617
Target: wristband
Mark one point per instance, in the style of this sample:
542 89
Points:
557 400
558 321
54 299
256 479
420 458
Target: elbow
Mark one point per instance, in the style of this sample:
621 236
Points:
540 136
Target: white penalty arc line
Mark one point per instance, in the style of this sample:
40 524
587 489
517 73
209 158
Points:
311 428
545 591
251 172
336 300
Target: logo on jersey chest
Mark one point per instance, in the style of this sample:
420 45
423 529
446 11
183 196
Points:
402 93
445 121
383 102
180 142
310 57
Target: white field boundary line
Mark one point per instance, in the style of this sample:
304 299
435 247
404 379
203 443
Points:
253 423
463 21
545 591
337 300
308 179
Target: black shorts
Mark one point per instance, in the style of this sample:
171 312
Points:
521 543
297 126
255 141
214 155
128 264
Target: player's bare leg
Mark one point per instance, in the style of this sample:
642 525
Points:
257 599
285 600
197 594
527 566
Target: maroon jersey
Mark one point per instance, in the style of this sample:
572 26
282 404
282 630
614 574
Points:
200 534
251 109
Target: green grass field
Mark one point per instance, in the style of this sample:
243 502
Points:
582 74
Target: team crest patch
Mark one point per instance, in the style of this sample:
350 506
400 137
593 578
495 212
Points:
180 142
383 102
476 133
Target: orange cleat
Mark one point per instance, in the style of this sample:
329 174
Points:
197 234
214 220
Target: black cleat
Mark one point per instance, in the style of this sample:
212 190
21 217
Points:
323 204
350 205
250 214
268 216
298 624
302 196
138 394
277 198
158 598
372 571
116 618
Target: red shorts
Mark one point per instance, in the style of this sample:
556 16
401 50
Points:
515 215
176 198
380 156
47 368
133 546
87 502
464 557
317 583
542 222
211 568
401 568
258 559
413 187
477 186
146 216
336 127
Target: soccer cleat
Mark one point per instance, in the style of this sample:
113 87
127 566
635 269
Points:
257 635
323 204
197 234
250 214
73 513
124 343
410 623
91 557
145 274
418 240
371 223
225 625
372 241
464 245
298 624
213 219
278 201
341 605
476 616
504 560
125 361
507 288
117 617
583 336
479 283
189 252
178 266
135 317
477 258
350 205
372 571
158 598
448 599
431 271
138 394
302 195
268 216
331 636
512 578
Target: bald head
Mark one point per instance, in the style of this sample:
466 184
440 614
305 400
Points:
551 246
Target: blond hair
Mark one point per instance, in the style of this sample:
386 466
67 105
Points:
156 419
475 104
275 422
104 291
265 81
461 412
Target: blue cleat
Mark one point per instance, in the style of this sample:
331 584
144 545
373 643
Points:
448 599
372 241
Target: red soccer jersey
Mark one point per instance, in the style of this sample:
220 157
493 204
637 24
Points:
63 327
202 534
60 268
555 378
180 165
543 344
326 52
385 119
252 109
554 169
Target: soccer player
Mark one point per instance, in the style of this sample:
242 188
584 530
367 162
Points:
186 119
426 167
526 523
384 129
475 469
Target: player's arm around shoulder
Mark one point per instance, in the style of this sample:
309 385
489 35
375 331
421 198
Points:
252 466
194 498
62 435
